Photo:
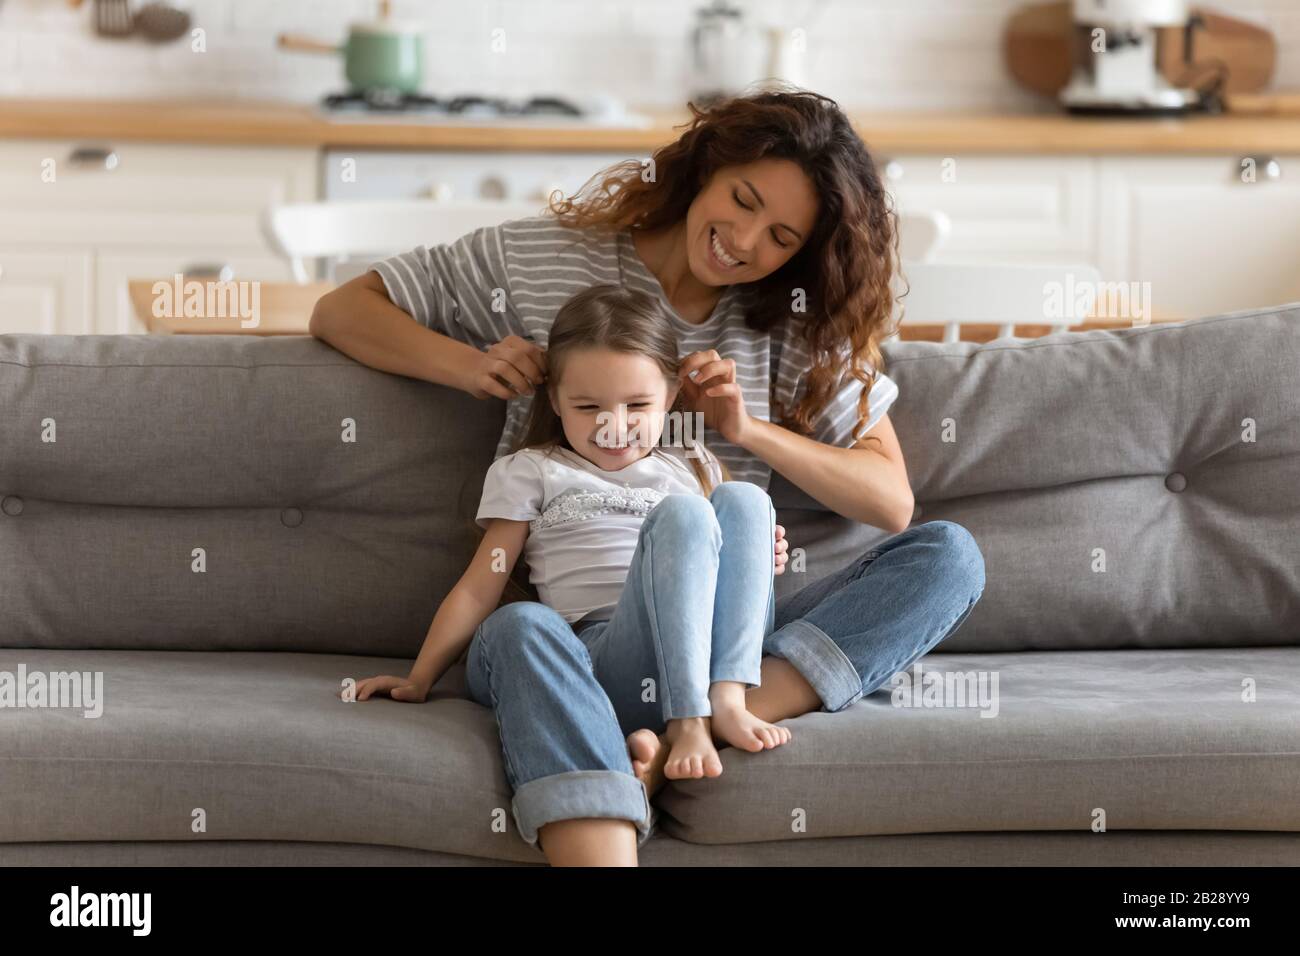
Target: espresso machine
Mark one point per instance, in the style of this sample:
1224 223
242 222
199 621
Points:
1117 52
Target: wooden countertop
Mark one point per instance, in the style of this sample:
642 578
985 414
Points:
270 123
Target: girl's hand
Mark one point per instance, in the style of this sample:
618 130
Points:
398 688
714 392
514 366
782 546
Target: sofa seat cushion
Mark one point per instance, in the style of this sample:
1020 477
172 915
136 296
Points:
259 747
1155 740
262 744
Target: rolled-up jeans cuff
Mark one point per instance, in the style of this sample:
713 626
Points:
751 677
820 660
578 794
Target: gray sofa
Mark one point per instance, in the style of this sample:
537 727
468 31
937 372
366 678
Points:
1141 615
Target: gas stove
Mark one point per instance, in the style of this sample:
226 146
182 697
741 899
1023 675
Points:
478 110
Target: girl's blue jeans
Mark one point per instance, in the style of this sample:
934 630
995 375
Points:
699 606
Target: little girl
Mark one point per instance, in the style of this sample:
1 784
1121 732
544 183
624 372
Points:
660 565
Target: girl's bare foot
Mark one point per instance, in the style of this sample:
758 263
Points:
742 729
649 754
732 722
693 754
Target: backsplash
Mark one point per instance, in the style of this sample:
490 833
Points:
867 54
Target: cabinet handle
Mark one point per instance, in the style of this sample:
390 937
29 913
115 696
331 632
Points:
221 270
1264 168
93 157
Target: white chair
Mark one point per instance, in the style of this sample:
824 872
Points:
340 231
957 294
921 234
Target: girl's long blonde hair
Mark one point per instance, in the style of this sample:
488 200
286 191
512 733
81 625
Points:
622 320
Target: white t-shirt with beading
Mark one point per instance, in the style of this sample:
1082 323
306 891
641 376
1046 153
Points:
584 521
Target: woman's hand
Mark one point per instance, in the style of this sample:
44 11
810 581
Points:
713 391
398 688
782 546
509 368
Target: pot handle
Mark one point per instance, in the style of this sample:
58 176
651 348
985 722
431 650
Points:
305 44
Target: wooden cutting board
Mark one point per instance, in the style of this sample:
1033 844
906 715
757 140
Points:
1037 40
1280 103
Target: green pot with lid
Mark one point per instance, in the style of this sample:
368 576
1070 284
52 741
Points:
379 56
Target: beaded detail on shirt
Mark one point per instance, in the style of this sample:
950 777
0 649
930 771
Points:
575 505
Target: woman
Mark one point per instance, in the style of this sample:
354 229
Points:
766 233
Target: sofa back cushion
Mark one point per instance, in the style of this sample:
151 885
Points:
229 492
1129 488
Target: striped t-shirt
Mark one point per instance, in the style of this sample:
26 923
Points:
512 278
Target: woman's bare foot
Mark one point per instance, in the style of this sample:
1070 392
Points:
693 754
732 722
649 754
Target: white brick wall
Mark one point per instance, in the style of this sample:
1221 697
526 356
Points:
868 54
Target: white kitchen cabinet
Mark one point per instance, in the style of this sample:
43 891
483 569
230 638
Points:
113 311
45 291
106 193
1184 229
1205 240
117 205
1003 208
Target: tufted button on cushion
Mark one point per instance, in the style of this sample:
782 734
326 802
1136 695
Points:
11 505
1175 481
291 517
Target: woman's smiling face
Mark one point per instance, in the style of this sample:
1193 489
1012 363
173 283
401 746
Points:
748 221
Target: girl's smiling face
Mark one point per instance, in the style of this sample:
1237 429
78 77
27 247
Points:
612 405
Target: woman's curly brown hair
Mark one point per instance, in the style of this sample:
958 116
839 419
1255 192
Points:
846 267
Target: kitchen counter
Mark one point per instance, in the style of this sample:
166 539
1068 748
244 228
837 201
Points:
270 123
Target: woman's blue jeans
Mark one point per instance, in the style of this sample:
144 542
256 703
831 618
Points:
699 606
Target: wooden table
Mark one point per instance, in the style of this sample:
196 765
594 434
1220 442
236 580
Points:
284 308
989 332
